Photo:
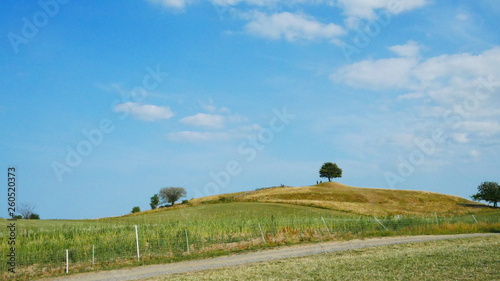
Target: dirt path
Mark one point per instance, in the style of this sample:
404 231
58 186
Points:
143 272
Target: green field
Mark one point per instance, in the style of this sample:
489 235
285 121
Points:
456 259
211 229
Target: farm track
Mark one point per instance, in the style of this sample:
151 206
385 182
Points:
285 252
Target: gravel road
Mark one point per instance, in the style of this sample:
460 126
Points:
143 272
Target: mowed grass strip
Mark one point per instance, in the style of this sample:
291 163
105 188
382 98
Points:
456 259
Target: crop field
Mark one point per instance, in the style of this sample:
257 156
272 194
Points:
204 231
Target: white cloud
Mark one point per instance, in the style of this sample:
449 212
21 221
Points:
181 4
366 9
212 108
481 128
193 136
377 74
145 112
264 2
458 93
291 27
239 132
204 120
175 4
474 153
410 49
224 126
460 137
417 74
251 2
411 96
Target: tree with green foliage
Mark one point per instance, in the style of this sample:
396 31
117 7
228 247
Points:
136 209
155 201
330 170
34 216
172 194
489 192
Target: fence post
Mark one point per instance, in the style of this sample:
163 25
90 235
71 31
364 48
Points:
137 243
93 256
262 233
474 218
380 223
67 261
436 215
187 241
327 229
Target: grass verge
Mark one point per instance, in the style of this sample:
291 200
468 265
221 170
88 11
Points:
456 259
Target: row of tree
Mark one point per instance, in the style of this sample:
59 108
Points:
172 194
487 191
166 195
26 211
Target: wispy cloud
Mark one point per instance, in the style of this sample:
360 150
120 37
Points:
410 49
174 4
212 108
366 9
291 27
214 127
145 112
457 93
212 121
194 136
421 74
251 2
241 131
377 74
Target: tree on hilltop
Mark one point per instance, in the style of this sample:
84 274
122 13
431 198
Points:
489 192
172 194
330 170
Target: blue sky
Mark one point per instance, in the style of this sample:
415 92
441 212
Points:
103 103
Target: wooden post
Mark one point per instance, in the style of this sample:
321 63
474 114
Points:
380 223
67 261
187 241
262 233
327 229
137 243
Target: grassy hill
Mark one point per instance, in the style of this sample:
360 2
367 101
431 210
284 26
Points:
236 222
362 201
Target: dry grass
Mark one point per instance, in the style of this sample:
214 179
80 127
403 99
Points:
364 201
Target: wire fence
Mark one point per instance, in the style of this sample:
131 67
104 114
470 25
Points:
93 246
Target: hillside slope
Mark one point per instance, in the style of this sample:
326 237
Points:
364 201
